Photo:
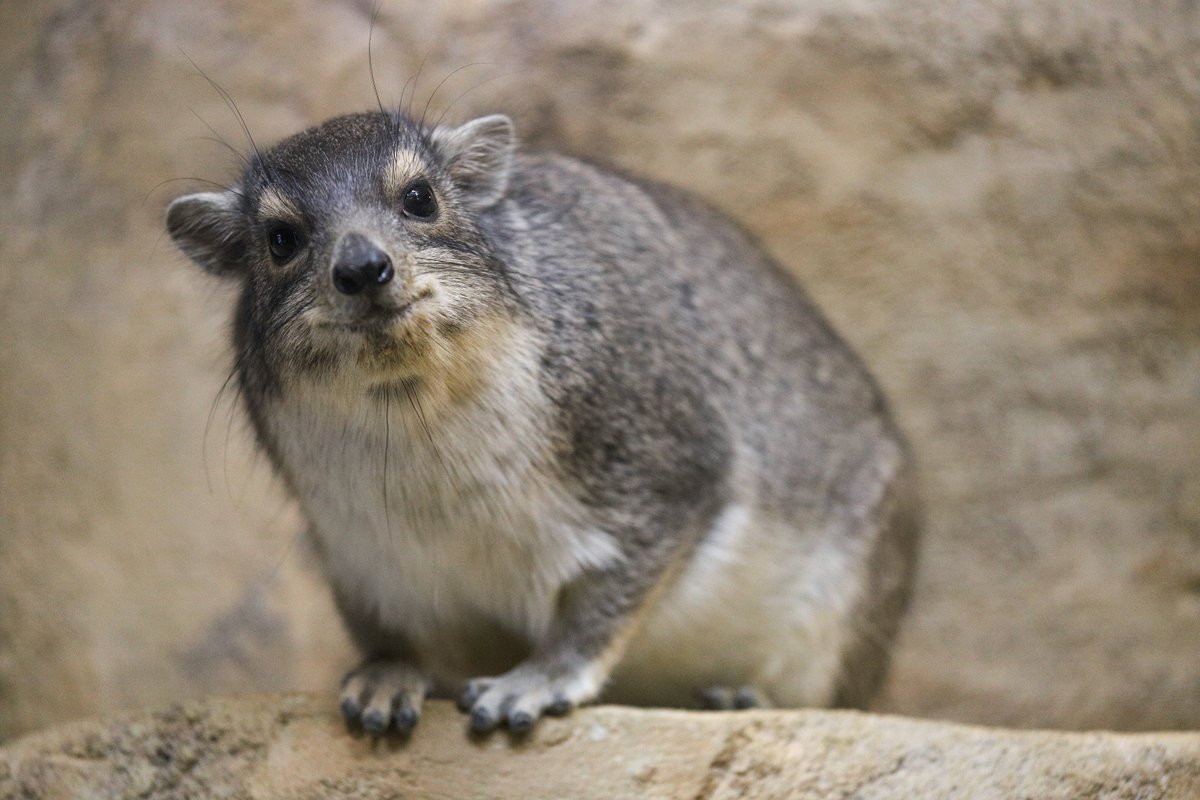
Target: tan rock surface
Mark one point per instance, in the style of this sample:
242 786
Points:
294 747
998 202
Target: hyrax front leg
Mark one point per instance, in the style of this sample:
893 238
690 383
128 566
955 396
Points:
597 615
387 689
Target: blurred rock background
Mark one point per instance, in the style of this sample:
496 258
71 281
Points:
996 201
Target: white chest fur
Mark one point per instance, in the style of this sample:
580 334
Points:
438 517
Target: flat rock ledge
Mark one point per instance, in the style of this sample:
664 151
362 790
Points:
294 746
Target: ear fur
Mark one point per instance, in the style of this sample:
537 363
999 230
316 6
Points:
210 229
478 156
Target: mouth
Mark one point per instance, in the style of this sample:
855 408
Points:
377 318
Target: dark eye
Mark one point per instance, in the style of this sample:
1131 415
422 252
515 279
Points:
418 201
283 242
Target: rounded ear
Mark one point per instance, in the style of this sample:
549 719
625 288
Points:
210 229
478 156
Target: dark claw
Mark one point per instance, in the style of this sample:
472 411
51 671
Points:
406 719
713 699
350 709
558 706
375 721
520 722
467 699
482 720
745 698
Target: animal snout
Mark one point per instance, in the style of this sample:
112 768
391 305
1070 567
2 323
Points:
359 264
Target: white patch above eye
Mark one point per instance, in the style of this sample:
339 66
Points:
272 204
405 165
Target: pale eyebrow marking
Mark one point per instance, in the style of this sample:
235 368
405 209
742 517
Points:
405 165
273 205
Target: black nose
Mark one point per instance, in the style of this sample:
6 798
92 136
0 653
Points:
360 265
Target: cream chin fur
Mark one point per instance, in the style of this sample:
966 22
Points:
434 529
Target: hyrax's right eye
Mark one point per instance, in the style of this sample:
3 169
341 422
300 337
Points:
283 241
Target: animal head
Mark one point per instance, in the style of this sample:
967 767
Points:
359 244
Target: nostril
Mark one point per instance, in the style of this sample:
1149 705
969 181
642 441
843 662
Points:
375 270
385 272
347 280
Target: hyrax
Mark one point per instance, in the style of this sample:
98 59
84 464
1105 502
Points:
558 433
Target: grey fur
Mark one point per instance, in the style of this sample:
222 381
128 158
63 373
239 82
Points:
590 438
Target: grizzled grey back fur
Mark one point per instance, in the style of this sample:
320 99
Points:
617 436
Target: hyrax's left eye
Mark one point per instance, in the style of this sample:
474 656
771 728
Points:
283 241
418 200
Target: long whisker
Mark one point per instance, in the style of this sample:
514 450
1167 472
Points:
219 138
387 446
416 80
214 184
415 402
229 101
370 57
484 82
233 406
442 82
212 410
287 551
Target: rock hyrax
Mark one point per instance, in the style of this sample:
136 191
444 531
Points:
559 433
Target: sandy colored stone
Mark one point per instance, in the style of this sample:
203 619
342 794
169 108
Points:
998 203
294 747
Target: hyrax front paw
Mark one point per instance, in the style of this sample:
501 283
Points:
519 697
381 694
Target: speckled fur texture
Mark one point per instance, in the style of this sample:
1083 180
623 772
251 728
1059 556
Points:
590 441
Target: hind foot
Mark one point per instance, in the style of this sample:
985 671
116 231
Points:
723 698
